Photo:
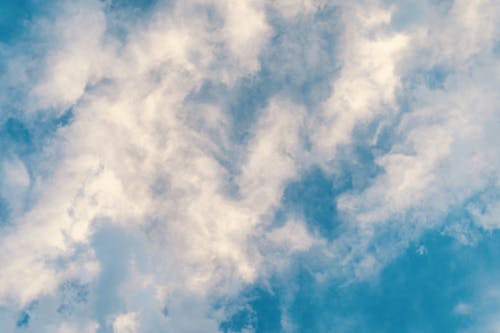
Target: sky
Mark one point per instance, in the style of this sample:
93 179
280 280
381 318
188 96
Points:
248 166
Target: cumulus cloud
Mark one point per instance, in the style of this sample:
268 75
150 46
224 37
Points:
134 156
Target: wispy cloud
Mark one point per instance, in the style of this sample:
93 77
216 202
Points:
150 148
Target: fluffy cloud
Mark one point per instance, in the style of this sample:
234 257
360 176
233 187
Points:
443 154
145 153
136 155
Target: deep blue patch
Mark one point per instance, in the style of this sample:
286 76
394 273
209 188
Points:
124 15
17 131
24 317
133 4
418 292
313 197
65 119
24 320
4 211
26 137
13 15
17 16
16 138
263 314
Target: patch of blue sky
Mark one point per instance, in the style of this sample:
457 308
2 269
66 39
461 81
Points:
24 317
24 139
141 5
424 290
15 19
5 211
112 246
23 134
261 313
14 16
18 28
312 196
122 15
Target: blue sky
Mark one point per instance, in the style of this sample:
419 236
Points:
249 166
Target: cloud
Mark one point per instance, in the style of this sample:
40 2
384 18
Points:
126 323
132 156
148 185
434 164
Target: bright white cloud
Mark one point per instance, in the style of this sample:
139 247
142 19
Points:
368 80
126 323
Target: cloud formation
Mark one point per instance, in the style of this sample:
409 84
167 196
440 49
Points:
149 149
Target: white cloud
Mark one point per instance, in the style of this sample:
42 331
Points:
462 309
126 323
443 148
78 56
136 155
293 236
366 86
130 131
